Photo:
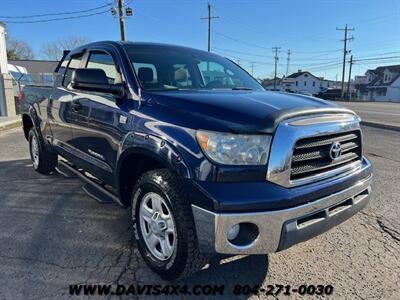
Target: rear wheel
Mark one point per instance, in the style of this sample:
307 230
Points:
43 158
164 226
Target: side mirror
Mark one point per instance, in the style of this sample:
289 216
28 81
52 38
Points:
95 80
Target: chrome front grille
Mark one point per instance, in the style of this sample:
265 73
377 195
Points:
312 155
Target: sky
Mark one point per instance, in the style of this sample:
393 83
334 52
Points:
246 30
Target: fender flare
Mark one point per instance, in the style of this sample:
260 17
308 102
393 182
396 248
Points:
155 148
34 117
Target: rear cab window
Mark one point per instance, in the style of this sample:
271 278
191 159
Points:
74 63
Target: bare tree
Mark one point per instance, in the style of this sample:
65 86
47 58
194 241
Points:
17 49
54 50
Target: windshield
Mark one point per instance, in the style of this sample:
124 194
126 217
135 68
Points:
173 68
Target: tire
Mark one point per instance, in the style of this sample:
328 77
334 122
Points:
184 259
44 159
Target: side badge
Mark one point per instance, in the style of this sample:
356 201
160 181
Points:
122 119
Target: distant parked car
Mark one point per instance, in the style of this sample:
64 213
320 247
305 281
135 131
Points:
330 94
304 93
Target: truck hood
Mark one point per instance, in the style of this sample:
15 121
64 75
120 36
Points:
242 111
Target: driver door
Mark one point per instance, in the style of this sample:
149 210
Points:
98 129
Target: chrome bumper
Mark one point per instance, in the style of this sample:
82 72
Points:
278 230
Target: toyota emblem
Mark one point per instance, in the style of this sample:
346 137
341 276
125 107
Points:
336 151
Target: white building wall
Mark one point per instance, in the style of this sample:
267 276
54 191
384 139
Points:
307 83
3 51
3 70
393 91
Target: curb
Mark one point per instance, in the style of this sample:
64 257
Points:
10 125
380 125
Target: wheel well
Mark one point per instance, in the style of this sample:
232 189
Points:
27 125
132 167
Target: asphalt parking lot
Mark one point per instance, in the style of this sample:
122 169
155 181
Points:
52 235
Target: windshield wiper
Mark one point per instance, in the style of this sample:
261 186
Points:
241 88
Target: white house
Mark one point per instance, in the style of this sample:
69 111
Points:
305 82
380 84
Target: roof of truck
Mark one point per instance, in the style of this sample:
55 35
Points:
128 43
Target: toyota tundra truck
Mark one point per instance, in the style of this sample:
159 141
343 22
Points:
206 159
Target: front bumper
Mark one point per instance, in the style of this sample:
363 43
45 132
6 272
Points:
280 229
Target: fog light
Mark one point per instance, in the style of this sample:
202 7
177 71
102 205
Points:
233 232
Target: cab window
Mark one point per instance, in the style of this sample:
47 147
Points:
105 62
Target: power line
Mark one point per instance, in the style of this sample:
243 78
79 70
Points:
55 14
240 41
58 19
377 58
322 51
243 24
326 67
234 57
319 64
241 52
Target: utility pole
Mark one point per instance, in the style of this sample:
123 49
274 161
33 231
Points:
209 18
121 19
345 29
288 61
348 84
275 49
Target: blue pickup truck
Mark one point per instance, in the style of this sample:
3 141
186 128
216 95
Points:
206 159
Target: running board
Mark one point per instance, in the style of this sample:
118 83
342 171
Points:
93 189
62 170
98 195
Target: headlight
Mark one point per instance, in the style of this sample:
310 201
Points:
234 149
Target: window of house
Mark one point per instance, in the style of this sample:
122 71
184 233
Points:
297 83
381 92
73 64
305 83
313 83
105 62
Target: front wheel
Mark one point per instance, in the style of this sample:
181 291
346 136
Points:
43 158
164 226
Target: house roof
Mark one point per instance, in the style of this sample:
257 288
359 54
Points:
299 73
378 80
380 70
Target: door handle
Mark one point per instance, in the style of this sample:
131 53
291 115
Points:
76 106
